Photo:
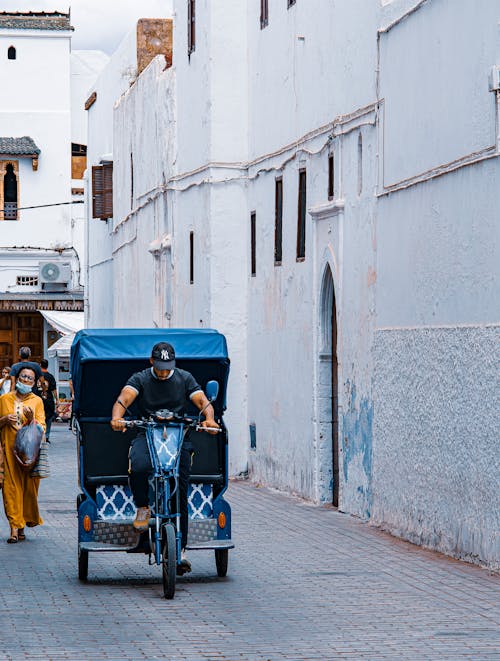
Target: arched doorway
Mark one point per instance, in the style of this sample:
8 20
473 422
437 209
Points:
10 193
329 353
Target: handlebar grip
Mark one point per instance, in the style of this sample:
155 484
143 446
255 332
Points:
200 428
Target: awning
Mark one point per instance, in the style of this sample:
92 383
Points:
66 323
62 347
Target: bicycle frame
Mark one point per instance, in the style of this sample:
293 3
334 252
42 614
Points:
165 472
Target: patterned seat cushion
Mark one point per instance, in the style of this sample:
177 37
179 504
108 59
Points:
115 502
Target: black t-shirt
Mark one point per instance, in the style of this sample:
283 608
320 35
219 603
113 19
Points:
154 394
49 406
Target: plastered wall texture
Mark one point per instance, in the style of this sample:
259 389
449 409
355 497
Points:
436 468
415 258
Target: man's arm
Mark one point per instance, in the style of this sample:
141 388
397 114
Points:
125 399
200 400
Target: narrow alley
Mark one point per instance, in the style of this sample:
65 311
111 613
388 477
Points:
304 582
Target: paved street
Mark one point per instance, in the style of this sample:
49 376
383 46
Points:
303 583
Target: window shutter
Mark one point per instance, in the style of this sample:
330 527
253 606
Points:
102 191
107 190
97 208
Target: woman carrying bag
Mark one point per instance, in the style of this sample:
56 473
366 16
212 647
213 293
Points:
20 491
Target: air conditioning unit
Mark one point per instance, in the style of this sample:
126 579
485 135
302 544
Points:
54 273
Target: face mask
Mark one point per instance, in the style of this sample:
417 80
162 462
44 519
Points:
23 388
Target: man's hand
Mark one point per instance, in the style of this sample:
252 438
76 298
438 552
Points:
210 426
118 424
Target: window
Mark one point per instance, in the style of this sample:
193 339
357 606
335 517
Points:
331 177
290 3
191 258
27 280
78 150
78 160
131 181
252 243
278 221
264 13
191 26
102 191
360 164
11 53
10 193
301 217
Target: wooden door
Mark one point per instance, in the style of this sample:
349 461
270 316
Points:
20 329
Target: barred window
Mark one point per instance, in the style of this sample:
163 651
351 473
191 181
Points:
301 217
264 13
191 26
278 221
253 244
27 280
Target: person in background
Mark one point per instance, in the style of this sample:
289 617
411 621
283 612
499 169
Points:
44 390
20 490
52 385
24 361
5 380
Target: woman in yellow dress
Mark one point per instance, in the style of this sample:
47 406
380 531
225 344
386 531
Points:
20 490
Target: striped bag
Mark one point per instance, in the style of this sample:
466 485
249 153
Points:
42 469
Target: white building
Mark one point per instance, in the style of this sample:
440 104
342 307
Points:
41 251
320 185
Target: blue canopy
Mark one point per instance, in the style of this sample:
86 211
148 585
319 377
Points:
102 359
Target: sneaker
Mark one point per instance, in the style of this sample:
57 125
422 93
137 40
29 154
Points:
185 564
141 521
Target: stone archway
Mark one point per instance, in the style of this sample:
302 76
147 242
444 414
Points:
328 382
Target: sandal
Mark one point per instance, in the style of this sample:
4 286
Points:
20 535
13 536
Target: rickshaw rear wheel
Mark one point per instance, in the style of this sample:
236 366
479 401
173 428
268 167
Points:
83 564
169 561
221 559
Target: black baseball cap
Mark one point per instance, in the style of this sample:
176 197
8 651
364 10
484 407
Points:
163 355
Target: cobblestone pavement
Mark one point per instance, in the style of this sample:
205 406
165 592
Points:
304 583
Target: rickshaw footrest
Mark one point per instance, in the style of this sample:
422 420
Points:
102 547
213 544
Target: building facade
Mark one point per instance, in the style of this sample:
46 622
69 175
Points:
334 216
40 268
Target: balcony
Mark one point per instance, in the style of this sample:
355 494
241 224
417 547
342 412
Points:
10 211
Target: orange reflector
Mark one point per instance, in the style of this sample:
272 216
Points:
222 520
87 523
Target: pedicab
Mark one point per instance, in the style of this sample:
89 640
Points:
101 362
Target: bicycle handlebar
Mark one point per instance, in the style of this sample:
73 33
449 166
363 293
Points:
190 422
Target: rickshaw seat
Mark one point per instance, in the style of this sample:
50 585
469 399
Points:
105 452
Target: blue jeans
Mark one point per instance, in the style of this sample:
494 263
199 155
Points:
140 469
48 424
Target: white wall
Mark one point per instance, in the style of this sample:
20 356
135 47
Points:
113 81
85 68
435 472
213 133
38 105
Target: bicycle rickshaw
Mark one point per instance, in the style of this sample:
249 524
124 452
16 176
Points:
101 362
